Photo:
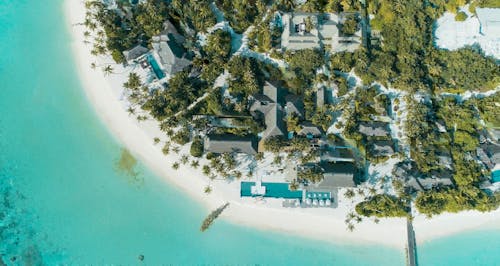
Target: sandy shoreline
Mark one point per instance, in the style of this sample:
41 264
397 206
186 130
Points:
105 93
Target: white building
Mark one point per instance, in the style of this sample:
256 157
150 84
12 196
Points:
314 30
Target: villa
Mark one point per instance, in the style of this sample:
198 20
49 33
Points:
489 154
135 53
319 30
374 129
266 106
337 175
381 148
230 143
166 46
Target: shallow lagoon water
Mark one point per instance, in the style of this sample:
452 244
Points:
64 197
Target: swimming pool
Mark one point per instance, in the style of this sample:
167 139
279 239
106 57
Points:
156 68
273 190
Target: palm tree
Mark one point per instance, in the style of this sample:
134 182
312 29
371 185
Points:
350 227
107 70
175 166
131 110
184 159
207 189
195 164
176 149
206 170
349 194
287 4
156 140
372 191
165 150
93 65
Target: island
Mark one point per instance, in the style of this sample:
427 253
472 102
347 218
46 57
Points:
337 118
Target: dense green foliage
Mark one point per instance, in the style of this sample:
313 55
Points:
461 70
216 53
196 149
124 31
304 64
182 91
461 16
197 14
489 109
383 205
313 174
441 200
242 13
408 59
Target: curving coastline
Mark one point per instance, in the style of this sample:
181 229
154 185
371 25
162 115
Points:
105 95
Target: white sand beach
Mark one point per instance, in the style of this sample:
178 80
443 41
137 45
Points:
105 95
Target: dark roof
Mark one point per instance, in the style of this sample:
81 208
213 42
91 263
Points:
339 174
230 143
294 104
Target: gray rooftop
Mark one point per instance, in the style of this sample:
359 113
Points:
230 143
374 129
167 46
489 154
267 105
337 175
308 128
382 148
320 97
135 52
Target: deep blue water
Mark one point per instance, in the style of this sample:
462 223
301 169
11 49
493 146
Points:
63 200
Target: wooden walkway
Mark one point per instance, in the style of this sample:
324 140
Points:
411 247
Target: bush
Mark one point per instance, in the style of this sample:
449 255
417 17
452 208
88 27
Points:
461 16
181 137
197 147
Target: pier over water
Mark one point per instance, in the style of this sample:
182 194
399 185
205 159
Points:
411 247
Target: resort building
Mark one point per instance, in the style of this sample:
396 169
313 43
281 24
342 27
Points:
319 30
337 175
320 97
294 105
489 154
336 154
309 130
343 42
172 56
135 53
489 19
381 148
374 129
300 31
267 107
230 144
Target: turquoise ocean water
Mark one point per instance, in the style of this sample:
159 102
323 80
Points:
62 199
